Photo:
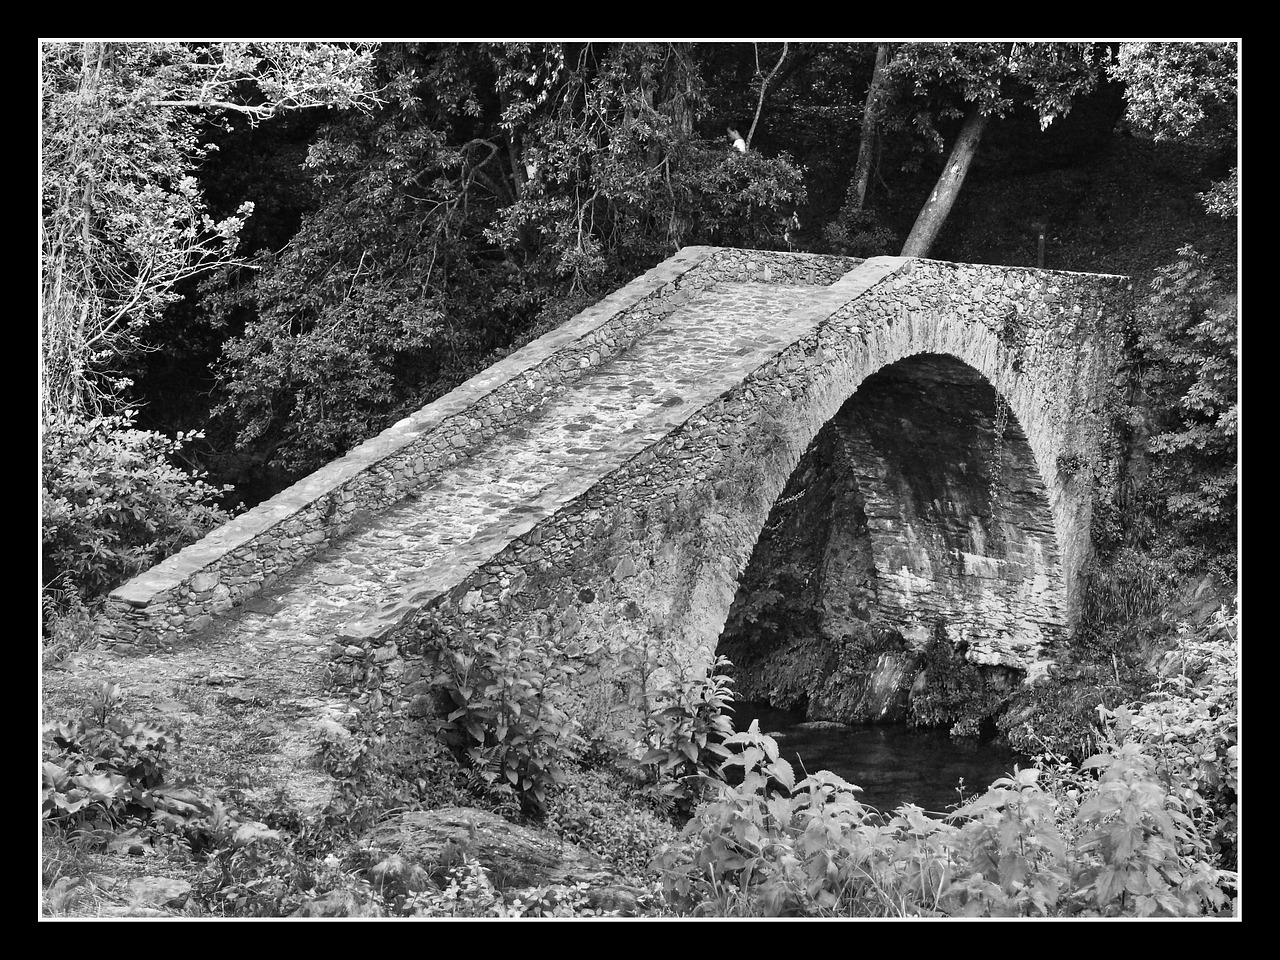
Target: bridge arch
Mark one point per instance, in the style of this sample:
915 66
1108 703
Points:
974 369
703 580
918 503
652 557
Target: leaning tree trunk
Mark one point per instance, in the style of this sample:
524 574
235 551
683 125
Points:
934 213
870 132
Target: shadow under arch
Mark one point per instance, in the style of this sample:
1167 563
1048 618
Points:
790 421
918 506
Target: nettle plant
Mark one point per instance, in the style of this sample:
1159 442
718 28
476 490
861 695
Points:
509 724
682 722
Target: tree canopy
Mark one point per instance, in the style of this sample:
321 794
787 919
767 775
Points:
503 187
124 221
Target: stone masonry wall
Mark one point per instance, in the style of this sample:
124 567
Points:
650 555
185 592
957 514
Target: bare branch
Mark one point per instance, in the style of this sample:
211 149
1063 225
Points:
763 87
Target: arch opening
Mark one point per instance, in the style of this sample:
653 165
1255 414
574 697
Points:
916 515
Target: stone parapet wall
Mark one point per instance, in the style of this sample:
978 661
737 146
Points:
184 593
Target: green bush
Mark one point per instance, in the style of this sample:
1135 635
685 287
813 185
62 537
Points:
1124 599
682 721
860 233
1189 331
113 503
102 767
1106 840
1190 726
1060 716
955 693
601 811
510 725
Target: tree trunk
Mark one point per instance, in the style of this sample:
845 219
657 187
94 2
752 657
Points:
870 132
934 213
764 85
67 299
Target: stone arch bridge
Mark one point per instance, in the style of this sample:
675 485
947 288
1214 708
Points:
928 439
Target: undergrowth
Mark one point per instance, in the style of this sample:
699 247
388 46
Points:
1146 825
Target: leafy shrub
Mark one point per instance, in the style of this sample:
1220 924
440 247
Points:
377 771
249 869
102 767
860 233
751 850
69 624
113 503
1141 854
1060 716
1189 335
1189 726
510 725
682 721
103 771
1123 602
600 811
1105 840
956 693
467 891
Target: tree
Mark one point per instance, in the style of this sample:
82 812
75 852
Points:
1185 91
870 130
1189 329
123 218
503 187
978 81
1189 338
764 87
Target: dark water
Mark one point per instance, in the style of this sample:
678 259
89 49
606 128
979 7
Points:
893 764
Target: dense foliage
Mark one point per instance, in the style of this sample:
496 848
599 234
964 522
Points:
102 767
1145 827
509 723
114 502
502 188
1190 339
1186 91
681 720
124 219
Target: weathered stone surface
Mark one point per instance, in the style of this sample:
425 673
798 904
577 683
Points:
909 510
158 891
337 903
515 857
